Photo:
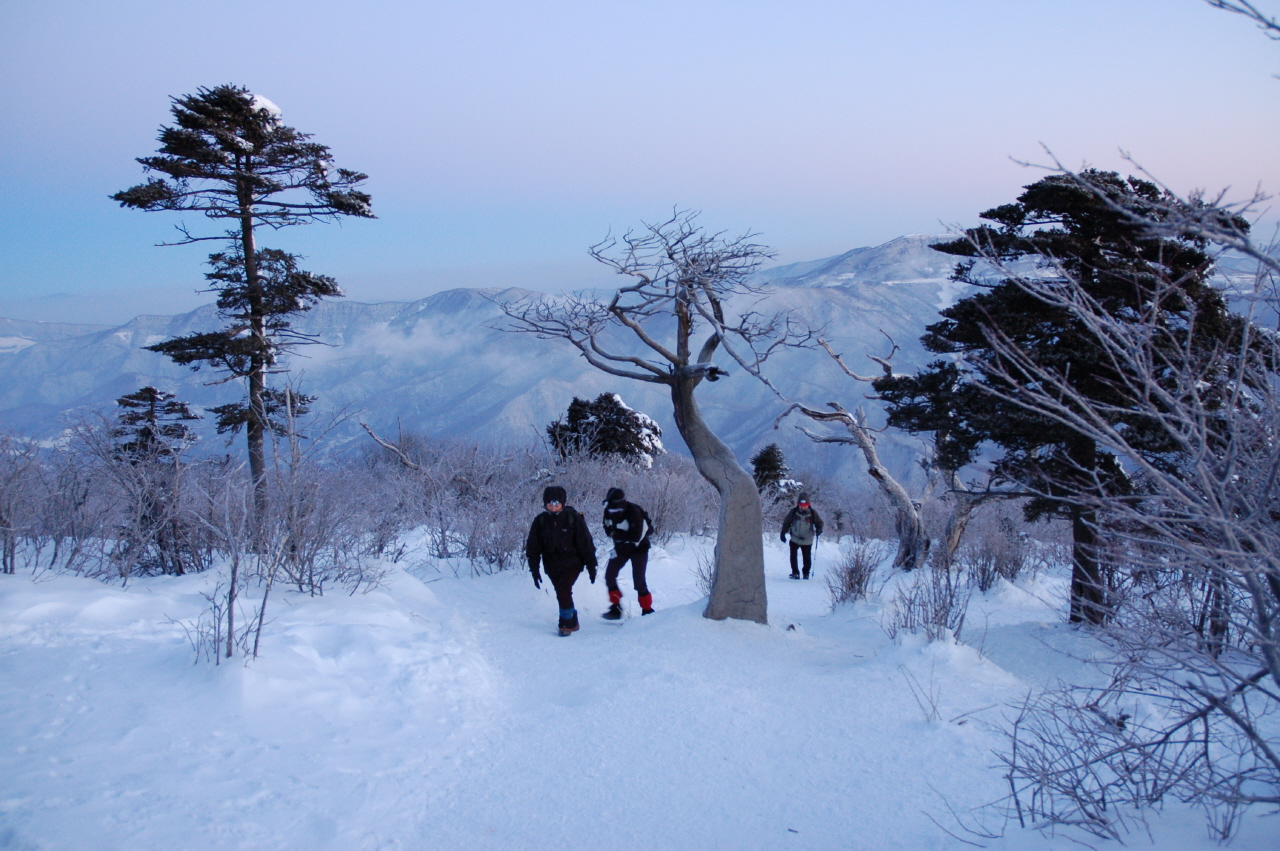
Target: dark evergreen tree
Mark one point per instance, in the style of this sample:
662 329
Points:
152 430
230 157
605 427
152 424
1082 231
769 467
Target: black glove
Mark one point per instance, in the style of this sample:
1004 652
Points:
783 537
591 572
537 579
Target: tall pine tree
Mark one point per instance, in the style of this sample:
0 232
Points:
1079 231
228 156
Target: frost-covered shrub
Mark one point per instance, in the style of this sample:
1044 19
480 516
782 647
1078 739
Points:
475 502
997 551
20 486
934 602
78 507
859 558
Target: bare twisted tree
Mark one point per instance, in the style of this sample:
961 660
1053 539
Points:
684 306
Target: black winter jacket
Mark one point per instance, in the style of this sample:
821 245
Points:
627 526
561 541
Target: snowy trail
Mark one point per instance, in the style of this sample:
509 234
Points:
677 732
449 715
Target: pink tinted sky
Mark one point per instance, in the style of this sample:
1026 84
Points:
503 138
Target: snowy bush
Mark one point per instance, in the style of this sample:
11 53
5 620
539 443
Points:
1100 758
1000 551
859 558
475 502
19 487
934 601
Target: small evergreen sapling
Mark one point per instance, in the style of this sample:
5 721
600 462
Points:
152 424
151 431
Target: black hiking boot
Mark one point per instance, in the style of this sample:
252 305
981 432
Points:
614 613
795 576
806 576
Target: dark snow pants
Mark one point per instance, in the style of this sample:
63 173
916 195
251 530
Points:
562 578
639 561
807 549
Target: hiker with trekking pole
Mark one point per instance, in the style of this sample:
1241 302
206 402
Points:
804 526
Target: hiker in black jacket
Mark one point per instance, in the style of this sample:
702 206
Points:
628 525
804 525
559 537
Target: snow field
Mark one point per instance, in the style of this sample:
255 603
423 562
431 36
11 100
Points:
442 711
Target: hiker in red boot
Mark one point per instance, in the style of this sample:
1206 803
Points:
629 527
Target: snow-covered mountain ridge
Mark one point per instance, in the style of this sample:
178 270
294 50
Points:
905 260
439 365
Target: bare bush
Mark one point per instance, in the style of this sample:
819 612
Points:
1098 759
859 558
204 632
934 602
473 502
123 514
677 498
704 572
995 550
19 495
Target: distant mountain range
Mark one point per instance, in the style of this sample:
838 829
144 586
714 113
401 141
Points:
441 367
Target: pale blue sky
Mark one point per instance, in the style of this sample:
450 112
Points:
503 138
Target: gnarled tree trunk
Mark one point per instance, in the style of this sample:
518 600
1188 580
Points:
737 590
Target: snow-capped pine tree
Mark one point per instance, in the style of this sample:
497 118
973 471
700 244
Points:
152 423
606 427
229 156
1088 232
769 467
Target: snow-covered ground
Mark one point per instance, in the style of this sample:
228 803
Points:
442 712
